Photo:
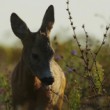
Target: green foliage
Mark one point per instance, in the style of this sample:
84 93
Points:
8 59
74 99
98 76
5 90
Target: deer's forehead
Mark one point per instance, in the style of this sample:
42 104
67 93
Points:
40 43
40 40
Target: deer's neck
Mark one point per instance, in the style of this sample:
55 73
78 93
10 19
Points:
23 76
22 83
24 73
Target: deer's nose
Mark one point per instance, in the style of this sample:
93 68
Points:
48 80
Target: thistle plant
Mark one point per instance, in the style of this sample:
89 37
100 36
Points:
92 70
88 57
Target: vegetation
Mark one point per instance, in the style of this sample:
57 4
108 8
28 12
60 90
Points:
79 90
8 59
79 85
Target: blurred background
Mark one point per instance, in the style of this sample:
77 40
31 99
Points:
94 14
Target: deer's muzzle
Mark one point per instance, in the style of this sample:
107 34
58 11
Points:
48 80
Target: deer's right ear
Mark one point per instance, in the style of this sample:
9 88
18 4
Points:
48 20
19 28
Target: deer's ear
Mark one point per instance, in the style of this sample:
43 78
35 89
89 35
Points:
18 26
48 20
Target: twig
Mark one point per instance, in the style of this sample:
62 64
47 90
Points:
79 45
74 36
97 52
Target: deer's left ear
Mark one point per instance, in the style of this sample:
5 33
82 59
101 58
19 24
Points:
48 20
19 27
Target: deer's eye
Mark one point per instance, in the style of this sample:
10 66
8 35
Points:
35 56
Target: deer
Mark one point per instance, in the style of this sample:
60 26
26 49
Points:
37 82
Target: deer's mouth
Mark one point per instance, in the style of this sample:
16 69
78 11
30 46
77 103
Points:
48 91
